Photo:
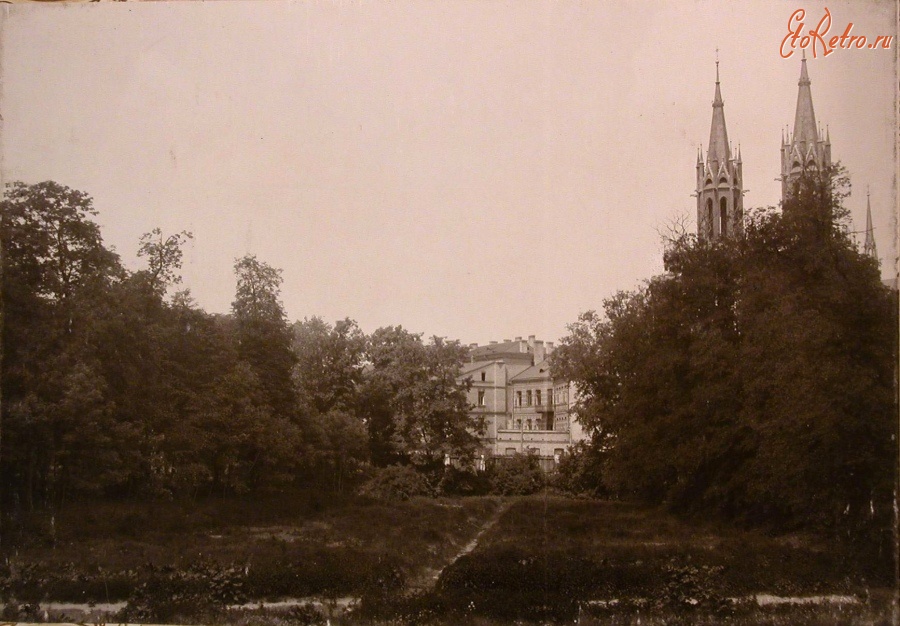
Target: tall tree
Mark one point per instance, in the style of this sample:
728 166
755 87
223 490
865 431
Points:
414 405
56 273
264 338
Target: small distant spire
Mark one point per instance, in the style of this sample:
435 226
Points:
869 247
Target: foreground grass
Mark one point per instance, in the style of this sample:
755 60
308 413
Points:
545 560
290 545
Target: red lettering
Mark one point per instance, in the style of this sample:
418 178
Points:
818 34
793 33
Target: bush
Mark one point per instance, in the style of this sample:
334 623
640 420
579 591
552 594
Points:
396 482
579 471
463 482
517 475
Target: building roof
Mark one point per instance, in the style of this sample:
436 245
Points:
468 368
503 350
539 371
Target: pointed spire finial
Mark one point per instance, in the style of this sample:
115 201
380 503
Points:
717 64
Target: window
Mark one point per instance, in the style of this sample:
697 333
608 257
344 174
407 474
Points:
557 452
529 425
519 424
709 217
518 398
480 398
723 216
482 376
537 397
528 398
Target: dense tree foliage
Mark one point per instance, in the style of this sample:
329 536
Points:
755 378
414 406
263 334
330 363
112 388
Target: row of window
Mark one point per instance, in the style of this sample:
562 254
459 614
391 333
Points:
557 452
528 424
532 397
529 398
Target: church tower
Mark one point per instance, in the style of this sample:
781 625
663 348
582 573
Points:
720 196
806 148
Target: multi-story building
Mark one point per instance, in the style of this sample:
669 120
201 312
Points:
525 409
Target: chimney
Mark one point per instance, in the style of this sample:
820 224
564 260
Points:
518 339
539 353
493 343
531 341
506 341
473 345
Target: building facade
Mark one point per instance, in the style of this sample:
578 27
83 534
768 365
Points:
525 409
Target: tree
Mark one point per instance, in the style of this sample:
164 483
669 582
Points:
52 247
755 378
55 274
264 337
163 256
329 363
414 406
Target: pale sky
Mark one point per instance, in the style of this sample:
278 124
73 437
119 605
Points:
477 169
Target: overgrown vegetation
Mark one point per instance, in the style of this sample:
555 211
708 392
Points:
547 559
558 560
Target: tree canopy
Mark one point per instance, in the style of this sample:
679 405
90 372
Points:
111 388
756 378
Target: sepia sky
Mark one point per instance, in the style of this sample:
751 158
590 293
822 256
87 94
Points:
476 169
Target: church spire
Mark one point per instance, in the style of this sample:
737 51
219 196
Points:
869 248
720 204
719 152
805 133
806 148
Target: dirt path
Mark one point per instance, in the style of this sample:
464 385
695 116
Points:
427 579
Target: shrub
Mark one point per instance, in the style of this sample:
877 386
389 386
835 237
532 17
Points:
579 471
396 482
517 475
464 482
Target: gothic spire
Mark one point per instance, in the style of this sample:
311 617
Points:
719 152
869 248
805 133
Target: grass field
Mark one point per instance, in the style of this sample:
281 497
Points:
546 560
